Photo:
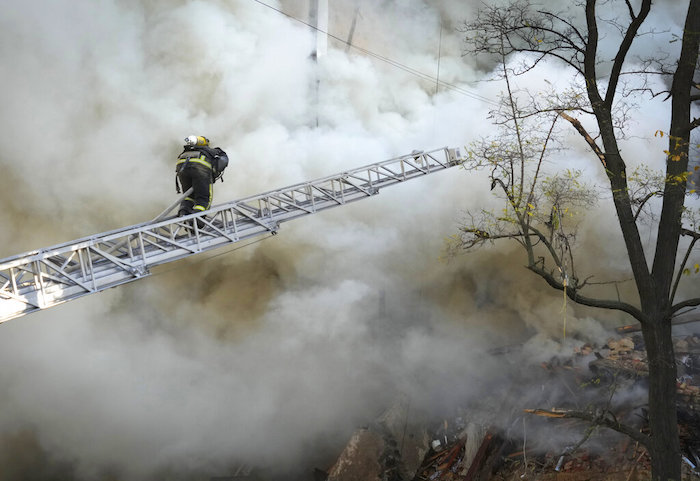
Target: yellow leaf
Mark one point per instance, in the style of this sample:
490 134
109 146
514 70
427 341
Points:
658 133
686 272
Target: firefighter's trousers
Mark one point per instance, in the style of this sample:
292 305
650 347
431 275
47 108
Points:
200 179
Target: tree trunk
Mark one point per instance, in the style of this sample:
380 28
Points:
677 162
663 416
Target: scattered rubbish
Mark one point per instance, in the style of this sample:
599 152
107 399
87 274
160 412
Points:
560 463
466 449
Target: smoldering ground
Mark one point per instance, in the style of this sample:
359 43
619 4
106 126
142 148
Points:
273 353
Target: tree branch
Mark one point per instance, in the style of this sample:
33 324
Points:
581 130
541 160
482 235
696 237
550 248
600 419
589 70
624 48
572 293
645 200
687 303
568 24
550 52
694 124
691 233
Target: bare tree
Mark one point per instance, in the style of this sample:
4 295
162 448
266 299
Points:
541 209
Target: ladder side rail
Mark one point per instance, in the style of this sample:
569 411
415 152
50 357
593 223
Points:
91 264
329 193
116 233
382 178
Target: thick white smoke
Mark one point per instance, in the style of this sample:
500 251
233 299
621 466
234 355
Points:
276 351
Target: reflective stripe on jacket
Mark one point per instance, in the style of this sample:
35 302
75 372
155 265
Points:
202 159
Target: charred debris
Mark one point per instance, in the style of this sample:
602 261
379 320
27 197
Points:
607 381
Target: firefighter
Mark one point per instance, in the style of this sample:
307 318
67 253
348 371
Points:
198 166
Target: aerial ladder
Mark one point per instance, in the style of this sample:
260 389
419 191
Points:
53 275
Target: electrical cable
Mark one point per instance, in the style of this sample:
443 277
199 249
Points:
388 60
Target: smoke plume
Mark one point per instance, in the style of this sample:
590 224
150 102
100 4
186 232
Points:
269 354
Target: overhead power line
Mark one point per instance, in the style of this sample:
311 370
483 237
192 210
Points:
390 61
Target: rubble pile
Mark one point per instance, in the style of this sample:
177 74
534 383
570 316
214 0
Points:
688 353
476 444
458 451
498 458
619 357
622 362
616 459
389 449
